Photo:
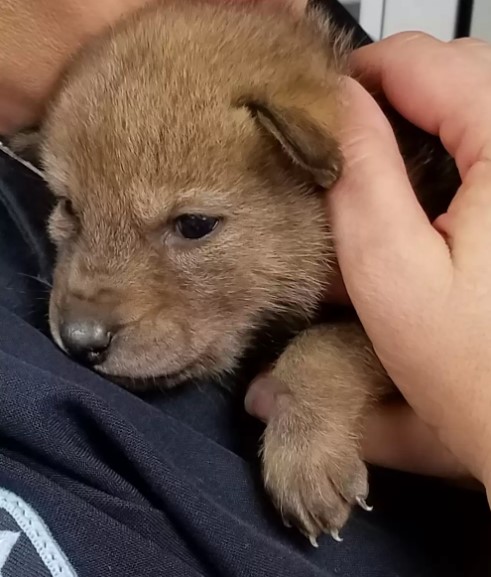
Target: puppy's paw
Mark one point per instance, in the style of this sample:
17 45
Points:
314 478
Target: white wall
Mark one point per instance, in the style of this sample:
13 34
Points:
371 17
381 18
436 17
481 21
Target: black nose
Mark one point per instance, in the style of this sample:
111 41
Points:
86 340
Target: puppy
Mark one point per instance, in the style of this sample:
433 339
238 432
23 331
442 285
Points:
189 149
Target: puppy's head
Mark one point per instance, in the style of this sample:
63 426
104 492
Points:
188 165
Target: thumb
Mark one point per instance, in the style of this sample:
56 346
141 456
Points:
374 196
384 240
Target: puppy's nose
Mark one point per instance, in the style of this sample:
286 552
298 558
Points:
86 340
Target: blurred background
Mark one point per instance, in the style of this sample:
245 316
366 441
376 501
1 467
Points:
445 19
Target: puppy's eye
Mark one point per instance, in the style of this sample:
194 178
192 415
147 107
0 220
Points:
195 226
66 206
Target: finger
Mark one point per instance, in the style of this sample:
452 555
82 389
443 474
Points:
466 225
449 98
396 438
262 396
474 46
382 234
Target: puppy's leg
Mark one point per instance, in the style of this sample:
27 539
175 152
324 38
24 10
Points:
311 458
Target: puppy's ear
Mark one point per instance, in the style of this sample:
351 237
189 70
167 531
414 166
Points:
306 141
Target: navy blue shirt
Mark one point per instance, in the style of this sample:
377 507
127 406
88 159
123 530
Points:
98 482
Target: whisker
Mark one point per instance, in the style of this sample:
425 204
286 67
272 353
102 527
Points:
38 279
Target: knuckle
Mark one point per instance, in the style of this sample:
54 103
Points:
470 43
412 36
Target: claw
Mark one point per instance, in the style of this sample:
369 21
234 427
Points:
287 524
308 534
335 535
363 504
313 541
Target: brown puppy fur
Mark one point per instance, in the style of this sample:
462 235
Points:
229 112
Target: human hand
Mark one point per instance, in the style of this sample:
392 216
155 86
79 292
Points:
422 290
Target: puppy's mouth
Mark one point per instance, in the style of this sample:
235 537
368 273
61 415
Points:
144 382
130 378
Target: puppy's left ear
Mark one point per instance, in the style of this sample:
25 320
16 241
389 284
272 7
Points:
306 141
